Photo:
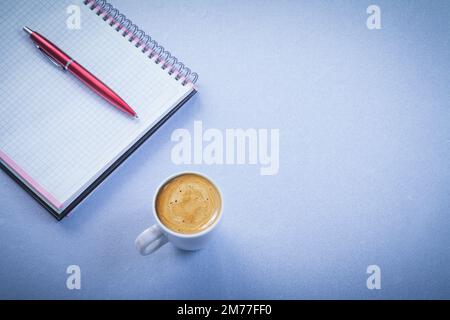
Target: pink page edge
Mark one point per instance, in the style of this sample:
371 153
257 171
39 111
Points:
33 183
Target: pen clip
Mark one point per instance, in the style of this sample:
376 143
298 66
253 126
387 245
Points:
50 58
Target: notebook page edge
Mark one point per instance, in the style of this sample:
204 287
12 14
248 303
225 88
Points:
23 176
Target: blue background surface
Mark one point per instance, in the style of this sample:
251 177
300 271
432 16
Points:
364 173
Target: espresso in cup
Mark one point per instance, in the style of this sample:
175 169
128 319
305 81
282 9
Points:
188 203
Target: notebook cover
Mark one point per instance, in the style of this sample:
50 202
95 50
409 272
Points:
105 174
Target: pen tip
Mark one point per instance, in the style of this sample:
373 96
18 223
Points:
27 30
136 116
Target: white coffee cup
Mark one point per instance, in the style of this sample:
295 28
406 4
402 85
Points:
158 234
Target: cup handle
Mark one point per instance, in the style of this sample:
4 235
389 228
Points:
150 240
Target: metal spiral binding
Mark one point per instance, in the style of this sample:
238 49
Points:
148 45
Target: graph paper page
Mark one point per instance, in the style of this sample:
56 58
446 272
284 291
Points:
56 131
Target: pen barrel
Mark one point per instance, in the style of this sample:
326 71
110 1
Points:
99 87
50 49
95 84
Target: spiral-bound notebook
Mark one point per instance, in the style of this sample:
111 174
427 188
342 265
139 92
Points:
58 139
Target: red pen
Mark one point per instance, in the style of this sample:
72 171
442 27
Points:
62 60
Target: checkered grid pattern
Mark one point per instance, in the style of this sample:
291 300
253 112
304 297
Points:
62 134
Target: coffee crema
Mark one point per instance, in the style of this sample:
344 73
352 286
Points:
188 203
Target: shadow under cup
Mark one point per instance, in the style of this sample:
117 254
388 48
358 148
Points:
188 203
